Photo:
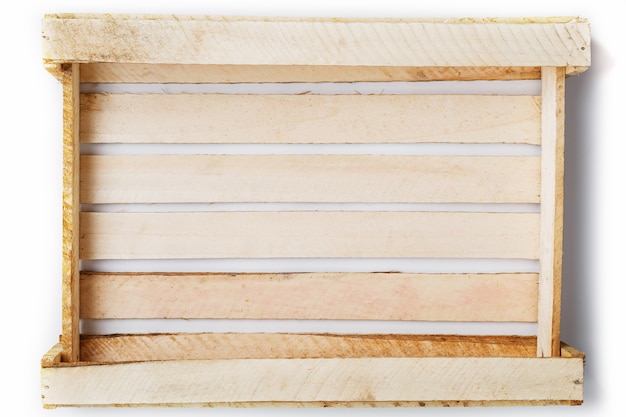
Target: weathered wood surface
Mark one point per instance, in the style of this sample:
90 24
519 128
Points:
316 380
341 296
561 41
71 210
309 178
238 118
309 234
551 234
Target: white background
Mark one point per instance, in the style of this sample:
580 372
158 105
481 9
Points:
30 171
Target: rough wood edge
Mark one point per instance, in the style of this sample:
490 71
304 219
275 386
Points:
55 69
446 20
336 404
551 229
53 356
71 211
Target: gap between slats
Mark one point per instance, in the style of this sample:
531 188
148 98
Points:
407 149
294 265
140 326
515 87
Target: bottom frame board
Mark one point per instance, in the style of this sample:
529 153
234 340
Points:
281 380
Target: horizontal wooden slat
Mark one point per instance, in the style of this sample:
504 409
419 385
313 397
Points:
341 296
341 234
196 346
232 118
308 178
197 382
196 74
222 40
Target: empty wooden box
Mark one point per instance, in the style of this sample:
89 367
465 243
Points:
344 200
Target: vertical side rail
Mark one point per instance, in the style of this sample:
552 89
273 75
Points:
551 232
70 336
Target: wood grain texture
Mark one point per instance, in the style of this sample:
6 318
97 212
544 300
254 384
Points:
71 209
315 380
309 234
553 142
308 178
290 41
196 74
234 118
198 346
339 296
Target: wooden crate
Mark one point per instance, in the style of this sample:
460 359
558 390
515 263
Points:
315 369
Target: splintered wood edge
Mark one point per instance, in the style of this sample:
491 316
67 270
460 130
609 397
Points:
390 42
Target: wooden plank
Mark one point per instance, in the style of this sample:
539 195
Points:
71 209
309 178
316 380
198 74
291 41
198 346
553 142
339 234
233 118
53 356
340 296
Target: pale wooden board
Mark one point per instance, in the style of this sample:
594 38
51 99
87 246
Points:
292 41
71 208
309 234
327 379
232 118
308 178
340 296
553 143
195 346
180 73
